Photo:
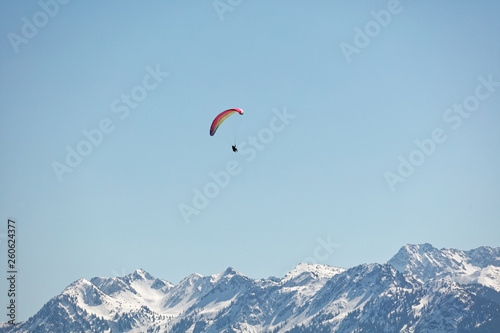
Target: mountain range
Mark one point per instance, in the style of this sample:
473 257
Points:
420 289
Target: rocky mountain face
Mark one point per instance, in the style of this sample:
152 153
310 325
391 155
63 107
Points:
424 262
420 289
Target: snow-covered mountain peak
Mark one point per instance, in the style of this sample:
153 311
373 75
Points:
316 270
191 279
228 273
80 286
485 256
140 274
412 248
79 283
309 277
310 298
425 262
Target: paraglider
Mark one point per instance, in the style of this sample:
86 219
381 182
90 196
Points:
220 119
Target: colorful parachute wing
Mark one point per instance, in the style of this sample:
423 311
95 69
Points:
221 117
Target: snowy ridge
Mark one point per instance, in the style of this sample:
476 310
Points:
312 270
425 262
421 289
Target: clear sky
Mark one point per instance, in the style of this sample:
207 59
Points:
368 125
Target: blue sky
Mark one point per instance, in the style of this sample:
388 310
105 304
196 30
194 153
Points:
154 75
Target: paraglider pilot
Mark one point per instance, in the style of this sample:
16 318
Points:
234 148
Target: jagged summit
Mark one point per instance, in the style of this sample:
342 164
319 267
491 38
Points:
425 262
304 270
140 274
420 289
230 271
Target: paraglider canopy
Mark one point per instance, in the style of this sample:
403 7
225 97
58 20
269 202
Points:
221 117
